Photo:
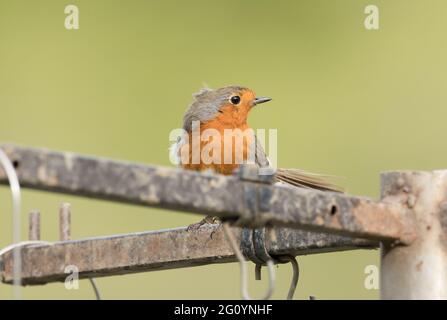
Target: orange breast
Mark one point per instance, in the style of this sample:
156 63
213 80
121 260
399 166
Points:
225 146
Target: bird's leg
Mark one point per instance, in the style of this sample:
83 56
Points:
206 220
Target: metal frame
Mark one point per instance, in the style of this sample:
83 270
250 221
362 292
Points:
157 250
409 221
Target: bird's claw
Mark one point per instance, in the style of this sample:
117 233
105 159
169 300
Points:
206 220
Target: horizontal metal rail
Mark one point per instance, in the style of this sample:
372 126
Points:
253 203
409 221
157 250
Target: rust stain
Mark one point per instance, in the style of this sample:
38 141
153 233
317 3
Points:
384 218
319 220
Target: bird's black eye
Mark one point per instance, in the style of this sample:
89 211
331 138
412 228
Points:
235 100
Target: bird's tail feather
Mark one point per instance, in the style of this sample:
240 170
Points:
303 179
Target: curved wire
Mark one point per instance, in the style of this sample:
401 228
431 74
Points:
95 288
296 274
37 242
21 244
16 202
243 267
295 271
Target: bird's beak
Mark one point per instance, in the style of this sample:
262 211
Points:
259 100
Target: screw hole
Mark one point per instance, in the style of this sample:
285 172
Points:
333 210
15 164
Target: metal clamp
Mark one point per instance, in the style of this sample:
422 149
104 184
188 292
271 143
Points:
253 240
253 246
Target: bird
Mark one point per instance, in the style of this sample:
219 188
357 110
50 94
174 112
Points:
217 112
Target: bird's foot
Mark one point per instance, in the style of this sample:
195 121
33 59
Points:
206 220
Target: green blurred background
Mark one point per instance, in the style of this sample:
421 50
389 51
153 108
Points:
347 101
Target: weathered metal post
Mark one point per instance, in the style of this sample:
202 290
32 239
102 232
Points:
65 222
34 226
417 270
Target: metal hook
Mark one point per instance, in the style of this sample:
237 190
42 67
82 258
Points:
95 288
295 276
16 204
243 267
295 270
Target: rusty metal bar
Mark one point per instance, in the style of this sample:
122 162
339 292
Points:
34 226
158 250
209 194
419 269
65 222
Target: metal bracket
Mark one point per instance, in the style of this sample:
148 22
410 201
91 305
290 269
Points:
253 240
253 246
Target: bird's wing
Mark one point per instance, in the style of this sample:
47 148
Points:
260 157
295 177
303 179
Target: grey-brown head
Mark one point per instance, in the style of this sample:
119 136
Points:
208 103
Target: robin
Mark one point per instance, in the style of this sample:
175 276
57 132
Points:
212 115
